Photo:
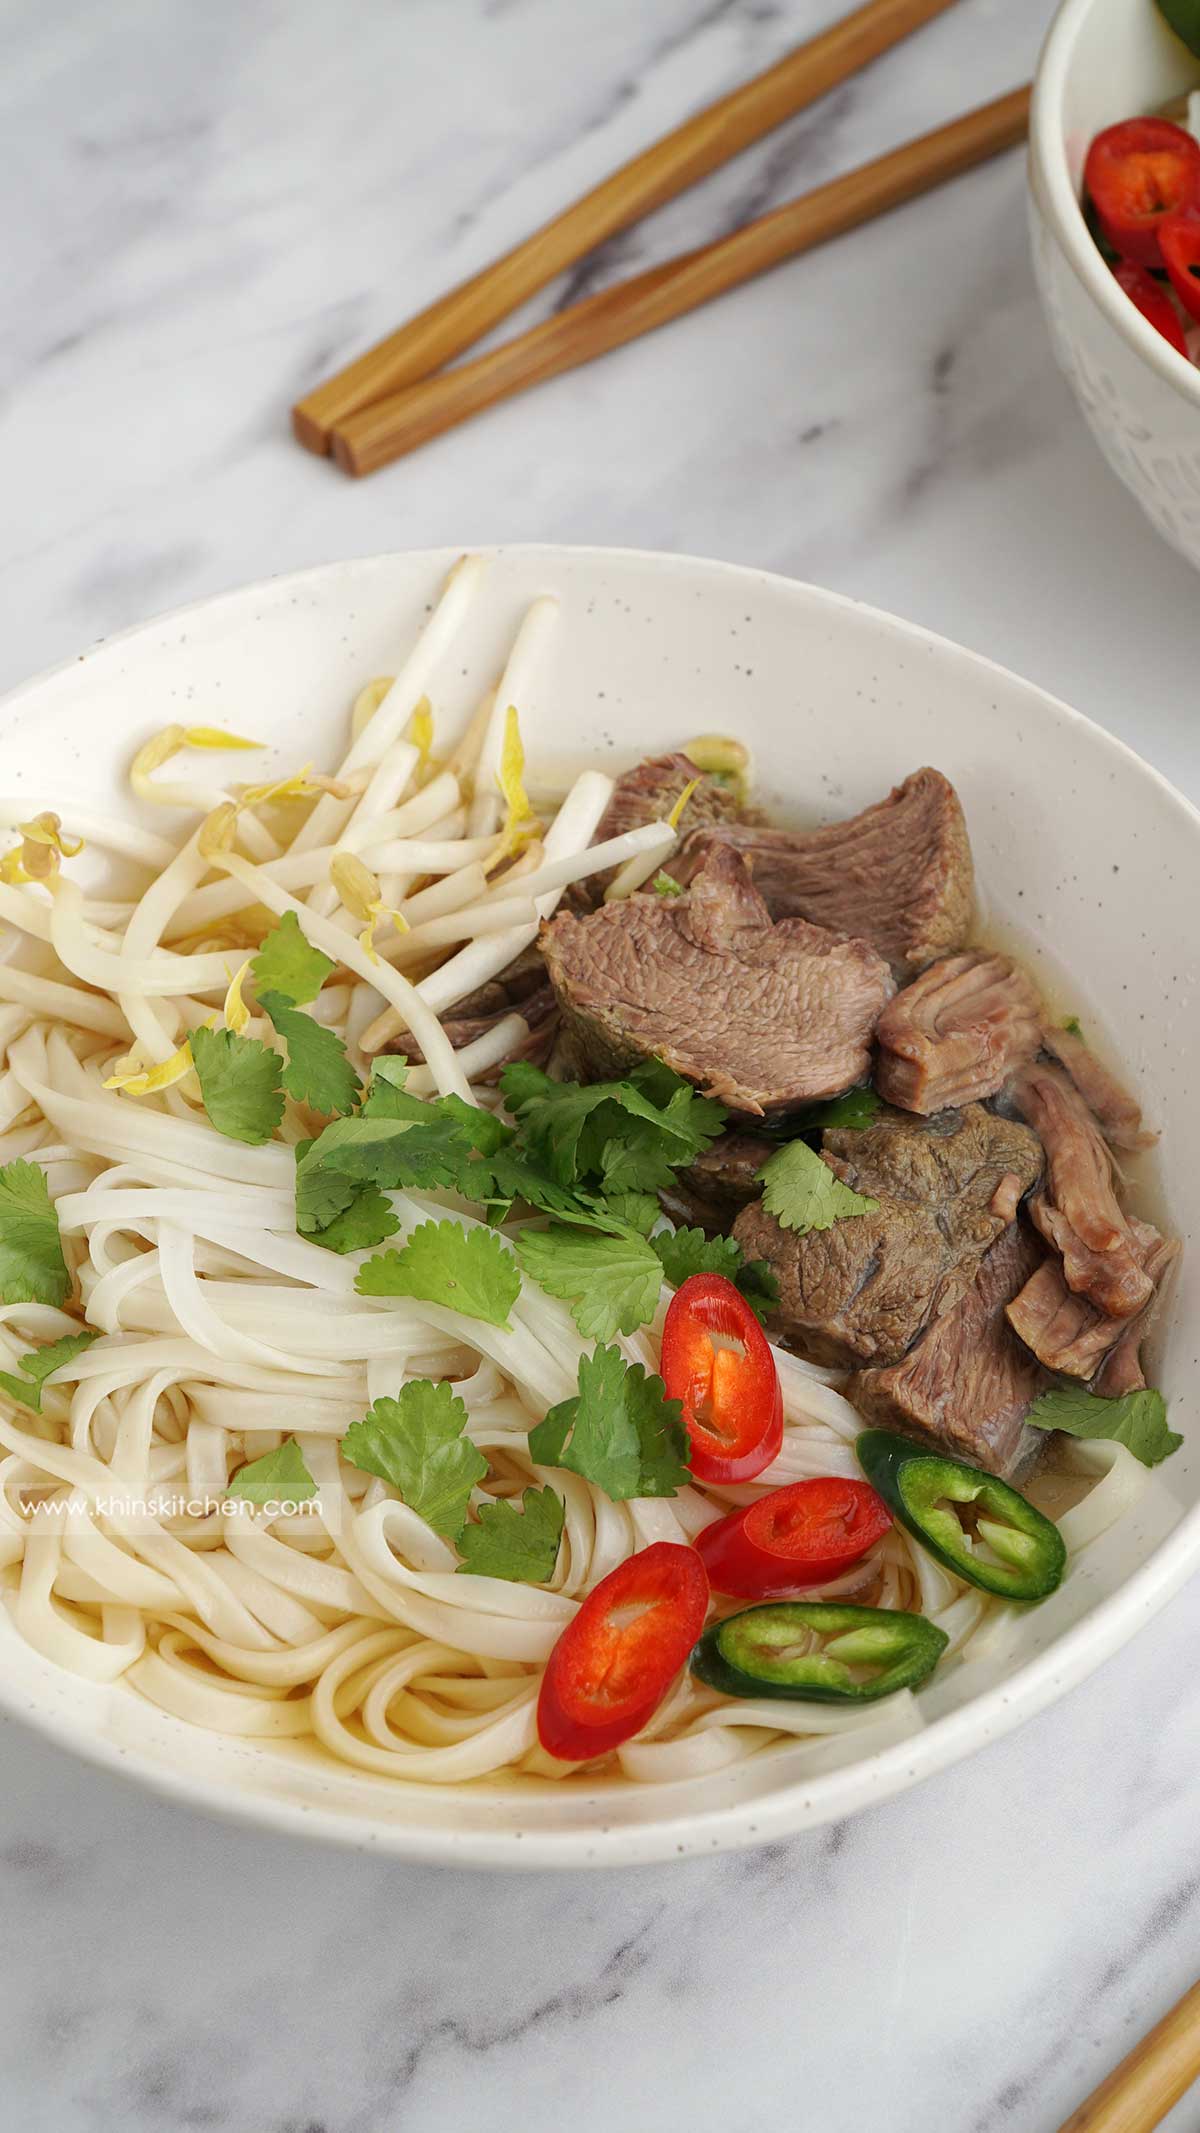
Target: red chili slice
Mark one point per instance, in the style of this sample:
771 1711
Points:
797 1536
1179 242
1152 299
614 1663
1139 172
732 1399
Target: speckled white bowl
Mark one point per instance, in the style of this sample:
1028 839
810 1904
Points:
1106 60
1077 844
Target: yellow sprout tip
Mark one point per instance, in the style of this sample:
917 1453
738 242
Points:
216 737
357 887
673 819
146 1081
236 1012
419 730
218 831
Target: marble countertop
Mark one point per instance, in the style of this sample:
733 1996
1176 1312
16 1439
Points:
208 208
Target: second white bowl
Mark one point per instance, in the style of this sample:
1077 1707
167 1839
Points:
1106 60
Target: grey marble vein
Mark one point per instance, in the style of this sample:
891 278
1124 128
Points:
207 208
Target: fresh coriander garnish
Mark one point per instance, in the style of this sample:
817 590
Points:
611 1283
803 1193
521 1545
39 1363
288 966
240 1084
684 1252
619 1431
317 1072
1136 1419
280 1476
32 1267
416 1443
467 1270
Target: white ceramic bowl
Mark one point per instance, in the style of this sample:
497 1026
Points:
1076 842
1106 60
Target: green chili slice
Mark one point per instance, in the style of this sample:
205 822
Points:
1010 1549
818 1652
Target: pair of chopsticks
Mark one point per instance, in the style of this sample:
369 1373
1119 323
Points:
1151 2078
398 395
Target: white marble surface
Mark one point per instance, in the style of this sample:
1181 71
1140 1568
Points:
207 205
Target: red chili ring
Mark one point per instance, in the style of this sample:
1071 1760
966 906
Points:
729 1386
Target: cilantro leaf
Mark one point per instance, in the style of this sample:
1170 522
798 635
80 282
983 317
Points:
704 1116
620 1431
642 1150
1137 1419
855 1109
758 1283
495 1181
803 1193
487 1133
388 1152
611 1136
287 966
318 1072
589 1156
1180 15
468 1270
523 1084
630 1157
416 1443
322 1195
636 1210
387 1096
396 1140
611 1283
37 1365
278 1477
367 1219
551 1127
684 1252
520 1545
32 1267
665 884
240 1083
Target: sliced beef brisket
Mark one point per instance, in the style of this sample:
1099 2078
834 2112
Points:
763 1016
957 1032
969 1383
899 875
1117 1112
1065 1331
1078 1211
647 793
1122 1372
865 1289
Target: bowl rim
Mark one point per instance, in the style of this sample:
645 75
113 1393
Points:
1056 194
801 1803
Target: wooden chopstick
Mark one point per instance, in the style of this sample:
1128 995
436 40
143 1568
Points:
1150 2079
399 423
680 159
